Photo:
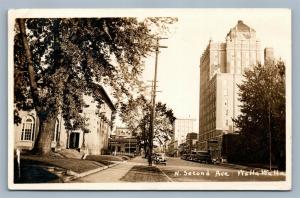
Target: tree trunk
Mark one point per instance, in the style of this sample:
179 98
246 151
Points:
31 72
46 123
145 140
43 141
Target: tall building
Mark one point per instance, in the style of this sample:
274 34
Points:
181 128
221 68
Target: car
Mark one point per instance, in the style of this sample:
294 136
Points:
203 157
193 156
160 158
184 156
190 157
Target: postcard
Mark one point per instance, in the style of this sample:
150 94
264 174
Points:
149 99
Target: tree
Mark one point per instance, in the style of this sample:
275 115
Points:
163 124
57 61
262 120
136 115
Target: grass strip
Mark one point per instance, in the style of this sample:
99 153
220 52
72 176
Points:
144 174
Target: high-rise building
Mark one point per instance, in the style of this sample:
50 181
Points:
221 68
181 128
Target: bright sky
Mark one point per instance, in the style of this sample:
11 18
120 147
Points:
178 65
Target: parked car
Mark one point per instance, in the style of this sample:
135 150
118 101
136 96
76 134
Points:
184 156
193 156
160 158
203 157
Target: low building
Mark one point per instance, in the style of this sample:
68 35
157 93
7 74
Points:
123 142
123 132
172 148
191 141
95 142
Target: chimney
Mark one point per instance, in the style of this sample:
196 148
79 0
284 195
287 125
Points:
268 54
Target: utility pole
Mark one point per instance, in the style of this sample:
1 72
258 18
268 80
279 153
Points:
129 144
152 116
270 136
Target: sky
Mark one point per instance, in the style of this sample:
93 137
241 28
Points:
178 65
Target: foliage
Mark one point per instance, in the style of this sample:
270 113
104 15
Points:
136 114
262 94
72 57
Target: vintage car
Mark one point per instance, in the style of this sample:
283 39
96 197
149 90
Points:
202 157
160 158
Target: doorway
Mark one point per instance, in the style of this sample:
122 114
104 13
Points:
74 140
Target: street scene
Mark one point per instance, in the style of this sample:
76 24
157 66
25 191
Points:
187 96
179 170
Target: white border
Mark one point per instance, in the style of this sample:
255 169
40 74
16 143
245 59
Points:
113 12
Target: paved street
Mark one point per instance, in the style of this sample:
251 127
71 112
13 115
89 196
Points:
178 170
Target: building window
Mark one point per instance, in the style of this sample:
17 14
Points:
28 130
56 135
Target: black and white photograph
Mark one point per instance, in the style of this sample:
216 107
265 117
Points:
149 99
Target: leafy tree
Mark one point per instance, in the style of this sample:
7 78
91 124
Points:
136 114
163 127
59 60
262 94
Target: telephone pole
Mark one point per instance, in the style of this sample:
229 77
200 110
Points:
152 116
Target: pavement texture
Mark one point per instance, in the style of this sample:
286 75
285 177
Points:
112 174
137 170
186 171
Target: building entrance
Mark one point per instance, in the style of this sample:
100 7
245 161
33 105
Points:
74 140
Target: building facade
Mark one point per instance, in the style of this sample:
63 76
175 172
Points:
191 141
123 132
94 142
123 142
181 128
221 69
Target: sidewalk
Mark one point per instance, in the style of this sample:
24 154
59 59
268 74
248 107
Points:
113 174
